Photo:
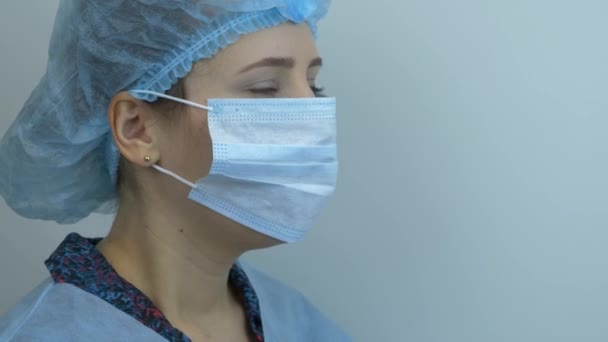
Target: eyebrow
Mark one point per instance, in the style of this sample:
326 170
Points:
283 62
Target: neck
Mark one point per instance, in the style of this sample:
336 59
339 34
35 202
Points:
181 266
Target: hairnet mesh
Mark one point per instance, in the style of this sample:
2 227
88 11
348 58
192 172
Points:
58 160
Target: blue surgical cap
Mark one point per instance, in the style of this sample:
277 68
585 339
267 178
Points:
58 160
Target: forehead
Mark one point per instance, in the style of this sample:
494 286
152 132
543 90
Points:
285 40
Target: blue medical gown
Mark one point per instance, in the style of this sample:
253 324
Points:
62 312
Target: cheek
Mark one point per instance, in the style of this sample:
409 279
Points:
199 146
191 148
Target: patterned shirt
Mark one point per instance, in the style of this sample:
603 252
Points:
77 262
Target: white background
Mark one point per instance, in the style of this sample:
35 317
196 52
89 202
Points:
473 187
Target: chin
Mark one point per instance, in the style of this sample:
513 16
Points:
256 240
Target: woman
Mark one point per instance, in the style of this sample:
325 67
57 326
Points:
200 121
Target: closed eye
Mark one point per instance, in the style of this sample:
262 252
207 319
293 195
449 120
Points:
318 91
264 91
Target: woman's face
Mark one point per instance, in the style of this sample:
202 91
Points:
280 62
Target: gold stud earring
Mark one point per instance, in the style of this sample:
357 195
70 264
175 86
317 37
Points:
147 159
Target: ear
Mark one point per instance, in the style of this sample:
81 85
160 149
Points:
134 128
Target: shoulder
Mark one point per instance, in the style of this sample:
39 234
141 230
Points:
14 321
285 311
62 312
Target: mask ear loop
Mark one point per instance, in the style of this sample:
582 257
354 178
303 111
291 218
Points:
172 98
186 102
174 175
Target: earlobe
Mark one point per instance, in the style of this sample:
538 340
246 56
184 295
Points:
130 121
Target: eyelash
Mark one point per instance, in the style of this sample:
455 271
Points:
318 91
271 91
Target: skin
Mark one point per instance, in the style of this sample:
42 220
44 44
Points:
174 250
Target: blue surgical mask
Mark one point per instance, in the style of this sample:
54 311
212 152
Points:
274 162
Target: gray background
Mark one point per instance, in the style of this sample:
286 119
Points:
473 190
